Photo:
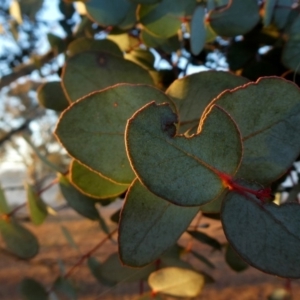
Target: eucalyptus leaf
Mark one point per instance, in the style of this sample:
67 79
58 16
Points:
96 70
18 240
191 94
95 268
105 13
237 18
4 208
268 11
83 204
65 287
265 235
32 290
87 44
149 225
51 95
98 122
177 168
198 31
37 208
269 126
93 184
176 282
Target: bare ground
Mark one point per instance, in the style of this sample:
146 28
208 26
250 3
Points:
229 285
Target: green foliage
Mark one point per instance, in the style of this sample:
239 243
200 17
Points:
18 240
32 290
215 142
37 208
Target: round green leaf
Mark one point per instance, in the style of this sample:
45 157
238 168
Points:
93 184
177 168
269 126
108 13
157 20
51 95
84 205
198 31
18 240
32 290
149 225
163 19
191 94
93 71
176 282
98 122
37 208
86 44
238 18
265 235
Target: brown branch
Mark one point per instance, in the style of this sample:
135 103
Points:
26 69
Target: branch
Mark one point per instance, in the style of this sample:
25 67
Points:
25 69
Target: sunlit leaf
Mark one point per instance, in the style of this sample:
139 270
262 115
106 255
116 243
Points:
163 19
37 208
93 184
15 11
4 208
142 57
125 41
177 168
176 282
